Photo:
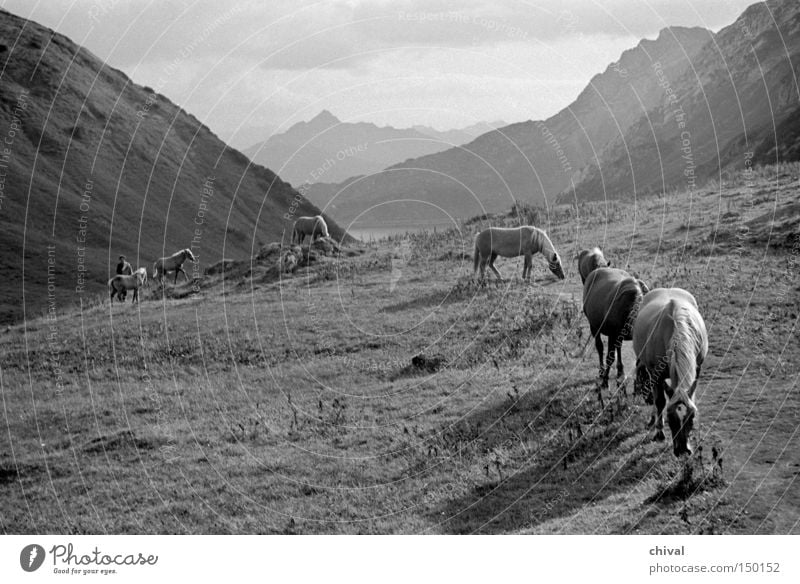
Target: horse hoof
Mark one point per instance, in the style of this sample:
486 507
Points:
658 436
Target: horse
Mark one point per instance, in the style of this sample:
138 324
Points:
510 242
671 343
611 299
589 260
123 282
172 263
312 226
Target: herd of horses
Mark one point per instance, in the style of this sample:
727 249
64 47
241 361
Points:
668 333
118 286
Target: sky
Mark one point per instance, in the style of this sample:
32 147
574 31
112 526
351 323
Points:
249 68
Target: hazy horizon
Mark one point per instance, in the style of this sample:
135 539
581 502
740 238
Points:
251 69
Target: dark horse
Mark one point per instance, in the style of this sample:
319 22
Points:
611 299
589 260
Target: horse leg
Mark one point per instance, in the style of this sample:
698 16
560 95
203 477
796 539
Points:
620 368
526 267
182 272
659 401
598 343
491 266
609 361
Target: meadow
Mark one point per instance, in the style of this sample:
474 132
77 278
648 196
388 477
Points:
386 391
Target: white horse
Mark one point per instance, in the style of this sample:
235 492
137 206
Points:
173 263
312 226
671 343
510 242
121 283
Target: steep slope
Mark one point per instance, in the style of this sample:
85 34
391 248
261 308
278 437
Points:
327 149
96 166
740 98
529 161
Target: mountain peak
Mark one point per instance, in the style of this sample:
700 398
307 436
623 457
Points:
325 118
668 32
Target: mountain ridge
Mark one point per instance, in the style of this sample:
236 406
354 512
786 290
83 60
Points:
325 147
530 161
734 101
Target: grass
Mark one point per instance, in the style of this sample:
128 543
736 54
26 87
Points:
291 403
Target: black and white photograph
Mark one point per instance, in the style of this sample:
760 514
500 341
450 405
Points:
421 268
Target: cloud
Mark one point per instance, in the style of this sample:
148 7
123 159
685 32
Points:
267 64
302 34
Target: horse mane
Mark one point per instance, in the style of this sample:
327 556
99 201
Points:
683 349
542 243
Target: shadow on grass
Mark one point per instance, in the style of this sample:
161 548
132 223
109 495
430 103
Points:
545 455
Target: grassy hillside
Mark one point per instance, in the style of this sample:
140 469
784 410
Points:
294 404
97 166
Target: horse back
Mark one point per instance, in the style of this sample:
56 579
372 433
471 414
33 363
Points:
611 298
655 325
505 241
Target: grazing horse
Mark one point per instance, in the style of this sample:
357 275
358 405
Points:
611 300
510 242
120 283
589 260
173 263
671 343
312 226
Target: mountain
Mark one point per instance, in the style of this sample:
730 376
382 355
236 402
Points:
529 161
325 149
94 166
739 103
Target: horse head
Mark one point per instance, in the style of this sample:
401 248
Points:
187 254
141 275
681 414
554 263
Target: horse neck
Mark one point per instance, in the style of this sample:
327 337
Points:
541 243
683 365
